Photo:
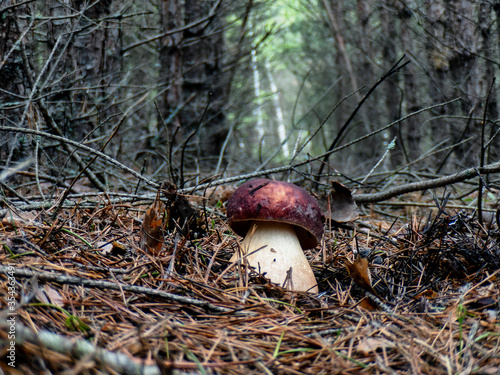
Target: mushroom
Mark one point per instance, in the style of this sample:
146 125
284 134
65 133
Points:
278 220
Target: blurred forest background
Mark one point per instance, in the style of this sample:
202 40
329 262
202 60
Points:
186 90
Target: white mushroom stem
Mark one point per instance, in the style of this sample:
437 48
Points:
279 252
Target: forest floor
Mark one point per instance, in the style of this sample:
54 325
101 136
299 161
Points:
90 300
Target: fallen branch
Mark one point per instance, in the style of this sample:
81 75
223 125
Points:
429 184
79 349
64 279
359 198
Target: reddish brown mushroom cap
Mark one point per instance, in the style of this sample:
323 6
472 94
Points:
269 200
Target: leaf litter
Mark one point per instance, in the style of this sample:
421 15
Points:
103 289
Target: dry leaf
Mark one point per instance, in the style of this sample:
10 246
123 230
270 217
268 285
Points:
114 248
105 247
53 295
368 304
153 226
118 248
11 219
219 194
49 295
342 204
372 344
428 293
360 273
178 213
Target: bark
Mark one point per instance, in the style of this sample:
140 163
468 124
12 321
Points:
193 79
171 61
337 29
97 57
459 57
336 21
60 72
410 132
343 87
392 92
13 85
86 60
487 74
203 78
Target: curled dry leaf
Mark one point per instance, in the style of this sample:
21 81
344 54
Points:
341 203
360 273
112 248
153 226
219 194
49 295
105 247
118 248
372 344
18 219
368 304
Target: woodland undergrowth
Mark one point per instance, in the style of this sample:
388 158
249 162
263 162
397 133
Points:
89 299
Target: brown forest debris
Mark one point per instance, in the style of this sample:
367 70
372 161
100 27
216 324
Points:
438 276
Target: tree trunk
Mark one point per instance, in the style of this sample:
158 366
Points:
458 68
171 61
203 78
13 84
193 80
410 132
392 91
487 74
98 61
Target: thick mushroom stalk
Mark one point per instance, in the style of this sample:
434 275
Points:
274 250
278 219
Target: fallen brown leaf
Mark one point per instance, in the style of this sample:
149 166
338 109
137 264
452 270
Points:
339 204
153 226
372 344
360 273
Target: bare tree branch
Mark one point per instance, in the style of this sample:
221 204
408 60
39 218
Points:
79 348
90 150
429 184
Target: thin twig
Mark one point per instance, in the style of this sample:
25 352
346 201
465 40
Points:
88 149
